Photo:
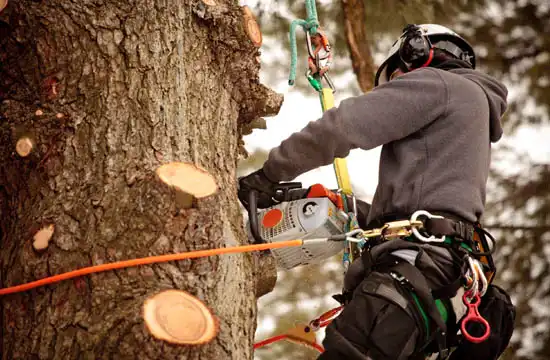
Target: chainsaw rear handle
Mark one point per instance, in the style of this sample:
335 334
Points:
283 192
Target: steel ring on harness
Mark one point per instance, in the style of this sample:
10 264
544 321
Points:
415 231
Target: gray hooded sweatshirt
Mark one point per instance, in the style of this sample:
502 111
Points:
435 128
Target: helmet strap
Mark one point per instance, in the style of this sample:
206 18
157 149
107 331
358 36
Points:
430 58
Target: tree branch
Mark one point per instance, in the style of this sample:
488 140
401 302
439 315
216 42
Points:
517 227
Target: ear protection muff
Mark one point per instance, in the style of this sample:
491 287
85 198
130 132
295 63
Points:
416 50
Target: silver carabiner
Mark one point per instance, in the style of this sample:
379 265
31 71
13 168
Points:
309 45
415 231
478 275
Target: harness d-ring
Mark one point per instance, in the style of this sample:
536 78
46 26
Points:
415 231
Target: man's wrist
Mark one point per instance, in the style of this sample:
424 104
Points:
269 175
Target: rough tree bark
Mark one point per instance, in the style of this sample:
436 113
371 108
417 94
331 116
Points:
108 90
358 42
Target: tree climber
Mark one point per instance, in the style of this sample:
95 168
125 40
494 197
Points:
435 118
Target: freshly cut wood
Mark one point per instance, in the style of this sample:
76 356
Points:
209 2
24 145
3 4
43 236
251 26
189 179
180 318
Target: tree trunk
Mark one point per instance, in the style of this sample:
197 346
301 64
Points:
358 42
107 91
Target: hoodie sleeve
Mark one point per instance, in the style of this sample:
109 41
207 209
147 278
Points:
390 112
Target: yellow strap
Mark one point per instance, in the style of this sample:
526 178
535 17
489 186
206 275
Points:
340 165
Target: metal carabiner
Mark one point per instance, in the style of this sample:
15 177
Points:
415 231
478 275
473 316
473 288
309 46
329 82
317 60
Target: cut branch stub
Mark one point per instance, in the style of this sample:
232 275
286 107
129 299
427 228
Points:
24 145
189 179
252 27
42 237
265 274
3 4
180 318
258 123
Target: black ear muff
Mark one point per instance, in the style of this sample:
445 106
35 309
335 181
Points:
415 51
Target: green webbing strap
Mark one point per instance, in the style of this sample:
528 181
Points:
440 307
309 25
448 240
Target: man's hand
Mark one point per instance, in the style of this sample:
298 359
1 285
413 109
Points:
259 182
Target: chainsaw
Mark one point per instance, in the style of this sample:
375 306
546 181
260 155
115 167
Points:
315 212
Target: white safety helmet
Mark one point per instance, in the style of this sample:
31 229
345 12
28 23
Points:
414 49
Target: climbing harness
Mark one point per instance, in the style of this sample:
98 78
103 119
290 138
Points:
421 228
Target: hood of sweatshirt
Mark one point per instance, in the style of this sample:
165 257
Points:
496 94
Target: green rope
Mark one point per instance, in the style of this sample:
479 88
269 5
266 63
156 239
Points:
309 25
311 10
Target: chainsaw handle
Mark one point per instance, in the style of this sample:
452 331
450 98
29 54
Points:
253 217
289 191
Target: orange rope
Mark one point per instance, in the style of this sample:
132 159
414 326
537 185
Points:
322 321
146 261
270 340
276 338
